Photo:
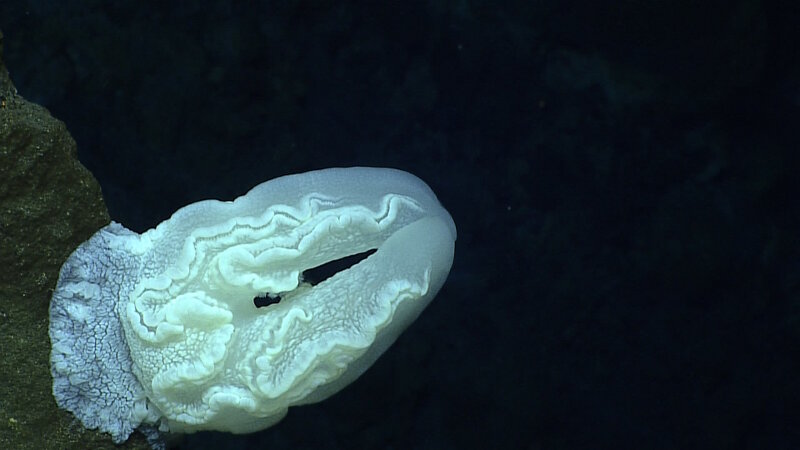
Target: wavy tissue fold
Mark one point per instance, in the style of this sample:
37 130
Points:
160 331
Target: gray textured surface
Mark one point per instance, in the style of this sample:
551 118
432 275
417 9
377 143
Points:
91 364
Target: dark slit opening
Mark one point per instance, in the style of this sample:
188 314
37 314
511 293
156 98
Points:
318 274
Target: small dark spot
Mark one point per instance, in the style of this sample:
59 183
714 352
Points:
266 300
321 273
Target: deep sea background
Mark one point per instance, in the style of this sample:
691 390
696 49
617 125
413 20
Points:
623 175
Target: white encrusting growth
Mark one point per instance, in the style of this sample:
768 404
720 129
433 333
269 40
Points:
161 330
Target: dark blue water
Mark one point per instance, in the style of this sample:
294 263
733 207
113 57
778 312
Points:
623 176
